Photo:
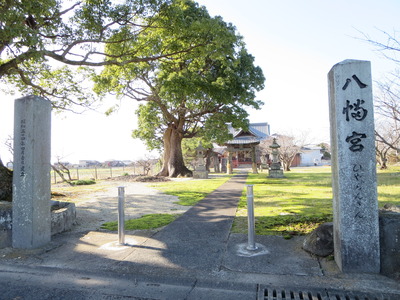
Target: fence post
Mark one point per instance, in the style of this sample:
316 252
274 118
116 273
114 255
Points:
77 173
95 172
121 215
250 217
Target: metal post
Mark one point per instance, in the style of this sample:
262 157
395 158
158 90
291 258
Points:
250 216
121 215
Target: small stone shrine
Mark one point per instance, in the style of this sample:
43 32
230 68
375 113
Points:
200 171
275 170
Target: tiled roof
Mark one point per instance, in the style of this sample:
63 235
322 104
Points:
240 141
256 133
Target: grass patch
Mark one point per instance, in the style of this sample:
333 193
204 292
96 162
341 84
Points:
150 221
389 186
191 191
286 226
299 203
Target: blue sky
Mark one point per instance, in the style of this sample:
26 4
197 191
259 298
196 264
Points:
295 42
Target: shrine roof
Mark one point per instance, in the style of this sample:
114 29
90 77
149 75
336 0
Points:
256 133
243 141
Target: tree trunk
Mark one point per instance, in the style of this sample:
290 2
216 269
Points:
5 183
173 164
166 155
61 174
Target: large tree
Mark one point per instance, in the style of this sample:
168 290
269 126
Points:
45 45
49 47
192 93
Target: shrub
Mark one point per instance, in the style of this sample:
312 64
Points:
83 182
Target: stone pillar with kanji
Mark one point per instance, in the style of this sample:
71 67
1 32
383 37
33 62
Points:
31 224
355 205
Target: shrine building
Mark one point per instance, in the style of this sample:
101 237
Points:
242 150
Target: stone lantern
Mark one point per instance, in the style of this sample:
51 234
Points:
275 171
200 170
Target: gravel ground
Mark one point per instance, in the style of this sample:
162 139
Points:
95 208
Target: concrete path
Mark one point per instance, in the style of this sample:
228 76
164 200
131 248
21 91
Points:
197 240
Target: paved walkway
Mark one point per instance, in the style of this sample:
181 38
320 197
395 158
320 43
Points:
197 240
196 252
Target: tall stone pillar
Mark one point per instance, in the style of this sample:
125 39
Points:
254 159
31 178
229 166
355 205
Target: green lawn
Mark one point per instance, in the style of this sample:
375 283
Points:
191 191
294 205
389 186
297 204
150 221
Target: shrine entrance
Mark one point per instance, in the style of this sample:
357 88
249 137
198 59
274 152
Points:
242 150
242 155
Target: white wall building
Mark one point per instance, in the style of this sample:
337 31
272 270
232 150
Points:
310 156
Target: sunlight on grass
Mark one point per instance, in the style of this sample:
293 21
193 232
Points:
297 204
389 186
150 221
191 191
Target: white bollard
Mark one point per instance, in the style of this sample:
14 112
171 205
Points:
121 215
250 217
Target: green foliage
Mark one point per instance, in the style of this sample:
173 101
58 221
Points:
149 126
191 191
189 147
150 221
196 92
39 38
82 182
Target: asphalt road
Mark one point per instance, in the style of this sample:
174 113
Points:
26 283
